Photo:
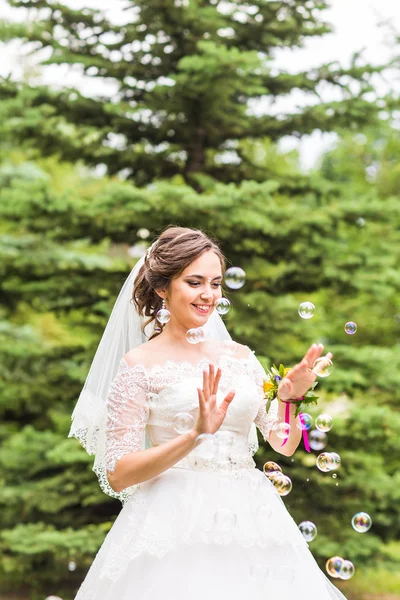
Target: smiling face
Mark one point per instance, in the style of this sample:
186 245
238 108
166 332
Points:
191 296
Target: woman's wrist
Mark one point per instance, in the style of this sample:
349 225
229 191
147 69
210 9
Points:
291 400
193 434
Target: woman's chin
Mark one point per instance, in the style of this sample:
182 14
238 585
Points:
199 316
200 320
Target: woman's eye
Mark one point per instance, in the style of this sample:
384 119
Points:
196 283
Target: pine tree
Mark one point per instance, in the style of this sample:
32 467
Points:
190 75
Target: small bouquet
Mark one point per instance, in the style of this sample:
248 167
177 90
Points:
270 386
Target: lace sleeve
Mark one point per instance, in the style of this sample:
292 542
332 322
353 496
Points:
127 414
264 420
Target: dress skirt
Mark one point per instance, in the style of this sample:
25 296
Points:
204 534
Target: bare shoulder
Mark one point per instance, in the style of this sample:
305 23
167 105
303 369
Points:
238 350
243 351
141 354
134 356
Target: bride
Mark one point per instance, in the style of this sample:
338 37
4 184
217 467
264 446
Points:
172 426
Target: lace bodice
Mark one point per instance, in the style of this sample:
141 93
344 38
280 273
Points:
144 401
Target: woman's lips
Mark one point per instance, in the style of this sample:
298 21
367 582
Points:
201 311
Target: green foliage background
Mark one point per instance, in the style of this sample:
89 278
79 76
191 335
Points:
68 239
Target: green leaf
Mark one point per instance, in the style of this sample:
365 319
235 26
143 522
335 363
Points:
309 398
298 411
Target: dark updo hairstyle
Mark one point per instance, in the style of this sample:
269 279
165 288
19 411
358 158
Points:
172 253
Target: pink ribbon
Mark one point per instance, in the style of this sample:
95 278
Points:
302 421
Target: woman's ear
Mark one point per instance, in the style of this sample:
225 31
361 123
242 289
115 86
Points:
162 294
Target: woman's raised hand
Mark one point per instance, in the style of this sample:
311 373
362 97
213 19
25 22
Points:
301 377
211 416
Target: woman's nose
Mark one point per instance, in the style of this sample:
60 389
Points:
207 294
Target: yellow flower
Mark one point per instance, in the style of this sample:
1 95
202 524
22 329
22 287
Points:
267 385
286 371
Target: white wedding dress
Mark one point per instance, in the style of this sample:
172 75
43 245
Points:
213 526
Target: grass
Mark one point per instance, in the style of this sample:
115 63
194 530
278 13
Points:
372 584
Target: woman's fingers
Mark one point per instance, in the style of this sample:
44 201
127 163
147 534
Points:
227 400
201 400
216 381
211 379
297 368
312 354
206 382
205 375
309 355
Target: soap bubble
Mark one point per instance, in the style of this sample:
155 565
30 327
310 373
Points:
325 462
71 565
306 310
207 444
163 316
308 530
224 441
283 484
194 335
201 334
183 422
230 347
350 327
324 423
143 233
333 566
235 278
224 437
203 437
276 421
225 519
336 461
222 306
263 516
323 366
283 430
259 571
361 522
275 478
318 440
347 570
285 573
263 513
271 467
305 422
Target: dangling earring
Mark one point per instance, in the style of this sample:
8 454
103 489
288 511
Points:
163 315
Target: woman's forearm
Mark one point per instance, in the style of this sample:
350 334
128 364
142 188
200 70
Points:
136 467
295 432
